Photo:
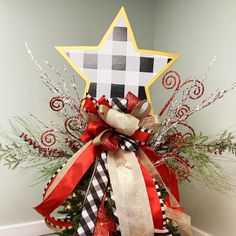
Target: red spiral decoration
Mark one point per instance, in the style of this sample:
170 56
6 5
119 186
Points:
48 138
73 126
170 80
197 90
182 110
190 131
57 103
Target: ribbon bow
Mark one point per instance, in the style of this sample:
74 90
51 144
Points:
116 138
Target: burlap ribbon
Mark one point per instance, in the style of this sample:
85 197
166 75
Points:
130 194
127 180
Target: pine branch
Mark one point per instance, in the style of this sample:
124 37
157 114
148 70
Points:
203 151
215 145
9 156
28 155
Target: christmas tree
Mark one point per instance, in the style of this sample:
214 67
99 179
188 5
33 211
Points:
113 166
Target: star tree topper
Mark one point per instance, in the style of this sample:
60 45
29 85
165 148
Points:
117 66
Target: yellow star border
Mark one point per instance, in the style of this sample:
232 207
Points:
62 50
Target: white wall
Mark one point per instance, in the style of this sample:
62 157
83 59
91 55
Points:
199 30
45 24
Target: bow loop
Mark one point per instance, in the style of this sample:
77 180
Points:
93 129
128 118
121 122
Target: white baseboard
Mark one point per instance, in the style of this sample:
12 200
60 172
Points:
35 228
39 228
198 232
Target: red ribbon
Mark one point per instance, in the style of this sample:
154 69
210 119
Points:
141 136
132 101
153 198
93 129
68 183
166 173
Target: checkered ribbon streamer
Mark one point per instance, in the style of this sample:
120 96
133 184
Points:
162 210
127 144
94 197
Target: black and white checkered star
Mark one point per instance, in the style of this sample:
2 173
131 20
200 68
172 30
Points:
117 65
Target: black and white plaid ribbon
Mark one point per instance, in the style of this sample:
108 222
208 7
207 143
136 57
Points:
97 189
94 197
119 104
127 144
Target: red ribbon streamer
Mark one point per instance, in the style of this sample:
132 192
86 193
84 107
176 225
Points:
68 183
153 198
166 173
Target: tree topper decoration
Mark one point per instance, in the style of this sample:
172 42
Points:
117 66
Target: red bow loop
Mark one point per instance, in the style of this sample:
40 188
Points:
93 129
111 142
132 101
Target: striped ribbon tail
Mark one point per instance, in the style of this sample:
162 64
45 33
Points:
94 197
162 204
113 205
52 222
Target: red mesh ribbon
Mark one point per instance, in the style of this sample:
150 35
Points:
105 226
